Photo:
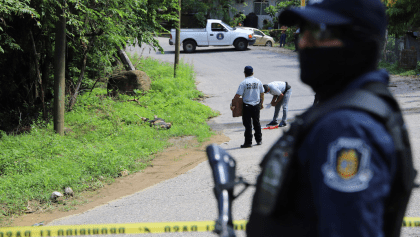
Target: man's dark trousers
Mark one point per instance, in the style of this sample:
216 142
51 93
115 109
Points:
282 40
251 116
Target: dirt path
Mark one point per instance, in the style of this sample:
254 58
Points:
178 159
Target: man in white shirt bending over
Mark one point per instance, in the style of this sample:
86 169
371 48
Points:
281 92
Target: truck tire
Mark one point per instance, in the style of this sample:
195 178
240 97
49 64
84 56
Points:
241 44
189 46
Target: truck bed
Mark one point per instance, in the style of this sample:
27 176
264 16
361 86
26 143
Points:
191 30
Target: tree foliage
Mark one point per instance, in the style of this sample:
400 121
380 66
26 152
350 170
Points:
7 10
280 6
95 29
402 15
207 9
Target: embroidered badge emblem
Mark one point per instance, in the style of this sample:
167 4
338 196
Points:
348 166
220 36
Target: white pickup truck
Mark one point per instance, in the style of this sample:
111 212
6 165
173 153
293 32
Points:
216 33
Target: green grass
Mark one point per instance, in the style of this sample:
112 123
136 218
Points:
290 46
287 46
395 69
104 137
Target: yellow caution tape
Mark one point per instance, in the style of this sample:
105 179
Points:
133 228
411 222
123 228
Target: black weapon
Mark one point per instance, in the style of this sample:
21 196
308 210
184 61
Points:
223 166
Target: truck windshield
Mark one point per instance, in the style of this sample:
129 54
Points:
227 26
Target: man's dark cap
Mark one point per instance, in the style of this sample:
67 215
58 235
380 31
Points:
248 70
365 14
265 88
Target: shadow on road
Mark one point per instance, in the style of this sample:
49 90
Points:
289 66
233 148
411 111
238 148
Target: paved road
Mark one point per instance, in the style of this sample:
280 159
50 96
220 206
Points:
189 197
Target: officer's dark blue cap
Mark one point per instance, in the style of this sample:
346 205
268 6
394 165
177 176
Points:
366 14
248 70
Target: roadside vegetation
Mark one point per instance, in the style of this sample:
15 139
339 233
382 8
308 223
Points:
104 137
392 67
96 31
395 69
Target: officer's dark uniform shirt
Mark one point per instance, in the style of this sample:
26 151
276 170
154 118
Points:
346 165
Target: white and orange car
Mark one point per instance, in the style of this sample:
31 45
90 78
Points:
262 39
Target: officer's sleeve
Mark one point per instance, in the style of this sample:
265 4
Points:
274 90
349 160
240 90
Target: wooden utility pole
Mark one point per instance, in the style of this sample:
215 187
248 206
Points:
59 71
177 43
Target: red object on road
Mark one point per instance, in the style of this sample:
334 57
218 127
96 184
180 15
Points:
272 127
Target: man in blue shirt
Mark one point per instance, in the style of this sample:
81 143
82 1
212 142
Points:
341 171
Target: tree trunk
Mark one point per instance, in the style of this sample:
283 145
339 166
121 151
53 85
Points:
396 49
385 44
177 43
38 76
79 82
45 71
125 60
59 72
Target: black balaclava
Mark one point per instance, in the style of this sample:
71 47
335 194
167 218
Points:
328 70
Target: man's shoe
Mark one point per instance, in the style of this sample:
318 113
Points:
272 123
282 124
259 143
246 145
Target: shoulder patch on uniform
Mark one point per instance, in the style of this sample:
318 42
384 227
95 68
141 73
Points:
348 166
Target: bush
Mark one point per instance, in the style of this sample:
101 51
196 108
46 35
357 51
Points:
395 69
290 36
273 33
267 24
276 33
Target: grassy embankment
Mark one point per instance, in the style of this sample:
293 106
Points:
105 137
395 69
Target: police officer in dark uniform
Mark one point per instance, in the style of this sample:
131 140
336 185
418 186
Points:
344 168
